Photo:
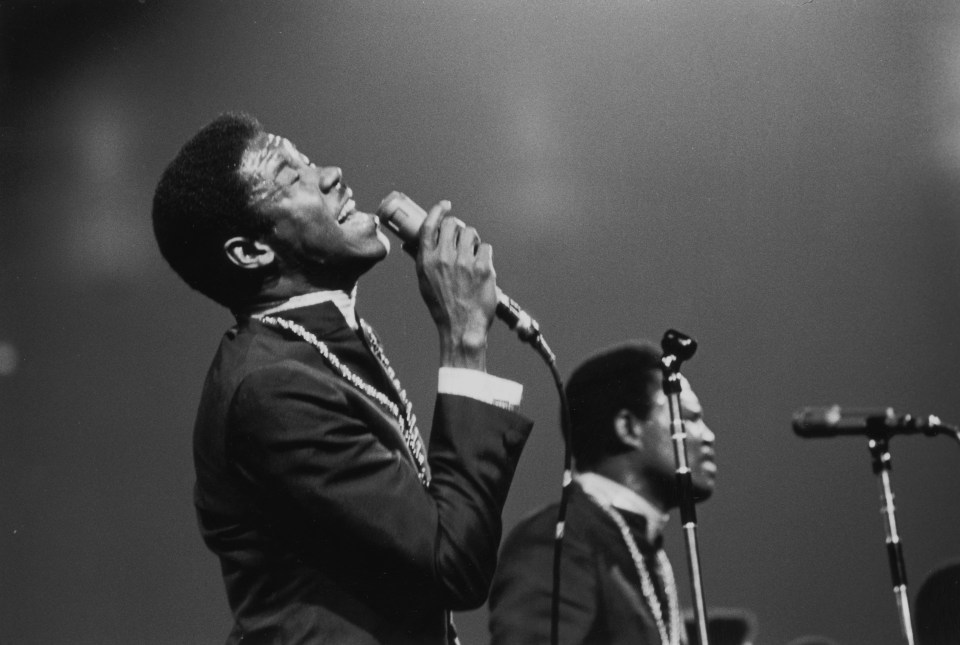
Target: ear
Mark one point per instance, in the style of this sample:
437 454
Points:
628 428
247 253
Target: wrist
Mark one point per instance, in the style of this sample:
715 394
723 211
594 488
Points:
467 350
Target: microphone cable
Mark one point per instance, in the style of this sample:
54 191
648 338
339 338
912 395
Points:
562 508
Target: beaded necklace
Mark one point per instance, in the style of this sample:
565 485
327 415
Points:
405 417
669 636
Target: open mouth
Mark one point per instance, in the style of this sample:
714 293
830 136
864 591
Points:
348 209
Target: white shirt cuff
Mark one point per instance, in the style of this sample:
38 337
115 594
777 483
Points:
481 386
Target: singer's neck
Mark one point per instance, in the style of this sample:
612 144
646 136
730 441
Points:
285 287
624 469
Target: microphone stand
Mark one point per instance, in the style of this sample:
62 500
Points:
879 443
678 347
879 427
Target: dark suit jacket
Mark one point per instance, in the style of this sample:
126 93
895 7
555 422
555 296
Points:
308 495
600 597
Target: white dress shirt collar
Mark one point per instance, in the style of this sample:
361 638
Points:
345 302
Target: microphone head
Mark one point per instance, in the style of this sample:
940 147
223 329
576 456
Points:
678 345
833 421
811 421
403 217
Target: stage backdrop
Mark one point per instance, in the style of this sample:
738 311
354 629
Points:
778 178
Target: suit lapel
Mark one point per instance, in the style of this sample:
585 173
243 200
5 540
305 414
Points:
619 565
326 322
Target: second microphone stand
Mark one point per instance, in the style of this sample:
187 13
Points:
677 348
879 444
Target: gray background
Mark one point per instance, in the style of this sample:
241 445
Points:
779 179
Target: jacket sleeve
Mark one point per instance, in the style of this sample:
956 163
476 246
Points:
522 592
308 437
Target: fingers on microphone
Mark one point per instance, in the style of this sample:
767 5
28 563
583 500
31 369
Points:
450 230
468 241
484 260
430 231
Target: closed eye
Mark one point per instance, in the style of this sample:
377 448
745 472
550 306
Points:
287 175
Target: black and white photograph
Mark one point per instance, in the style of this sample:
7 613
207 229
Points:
479 322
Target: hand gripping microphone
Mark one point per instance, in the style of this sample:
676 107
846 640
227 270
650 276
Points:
404 217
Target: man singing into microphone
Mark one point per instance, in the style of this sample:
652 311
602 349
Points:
332 521
617 585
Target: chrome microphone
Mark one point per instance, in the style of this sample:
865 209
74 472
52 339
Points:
404 218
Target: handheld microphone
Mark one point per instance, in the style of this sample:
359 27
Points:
404 218
834 421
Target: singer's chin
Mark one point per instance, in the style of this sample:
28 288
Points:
704 482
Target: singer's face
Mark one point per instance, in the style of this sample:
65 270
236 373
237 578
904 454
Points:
317 228
659 463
